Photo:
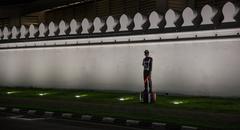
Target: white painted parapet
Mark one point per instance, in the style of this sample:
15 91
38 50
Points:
190 17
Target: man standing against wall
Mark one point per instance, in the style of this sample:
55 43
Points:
147 69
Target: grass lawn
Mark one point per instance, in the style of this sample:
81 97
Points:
203 112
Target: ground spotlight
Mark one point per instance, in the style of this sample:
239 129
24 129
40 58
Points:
11 92
42 94
177 102
125 98
80 96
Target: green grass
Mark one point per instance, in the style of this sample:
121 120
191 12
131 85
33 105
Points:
203 112
229 105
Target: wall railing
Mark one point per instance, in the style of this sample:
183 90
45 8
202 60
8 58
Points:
209 18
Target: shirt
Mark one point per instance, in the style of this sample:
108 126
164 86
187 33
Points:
147 64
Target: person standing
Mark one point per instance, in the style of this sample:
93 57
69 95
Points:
147 70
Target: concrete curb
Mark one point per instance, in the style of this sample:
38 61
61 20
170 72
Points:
86 117
188 128
132 122
48 114
111 120
108 120
3 108
159 126
31 112
16 110
67 115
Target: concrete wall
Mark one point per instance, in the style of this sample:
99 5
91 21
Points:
197 67
183 63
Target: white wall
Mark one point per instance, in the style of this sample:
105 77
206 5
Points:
197 67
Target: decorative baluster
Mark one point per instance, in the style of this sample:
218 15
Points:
229 12
6 33
1 34
139 21
189 16
208 14
86 25
32 31
15 32
111 24
52 29
74 26
23 32
98 25
125 21
42 30
63 27
171 18
155 19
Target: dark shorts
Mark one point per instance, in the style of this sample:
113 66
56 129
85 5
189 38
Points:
146 73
